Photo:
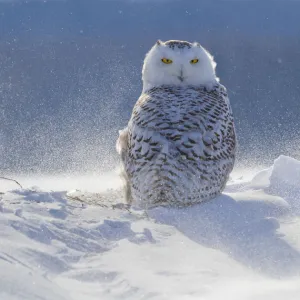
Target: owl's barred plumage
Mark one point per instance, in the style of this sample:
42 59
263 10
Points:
179 145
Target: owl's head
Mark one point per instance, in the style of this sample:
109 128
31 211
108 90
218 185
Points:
178 63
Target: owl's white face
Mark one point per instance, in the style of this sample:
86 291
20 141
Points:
178 63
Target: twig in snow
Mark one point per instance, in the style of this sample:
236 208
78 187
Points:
5 178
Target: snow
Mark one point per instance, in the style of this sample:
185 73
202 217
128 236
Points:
58 242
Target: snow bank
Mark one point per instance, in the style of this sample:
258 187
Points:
284 172
282 179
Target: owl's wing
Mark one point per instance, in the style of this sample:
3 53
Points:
218 139
211 138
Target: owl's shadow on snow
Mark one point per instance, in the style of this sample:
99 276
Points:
244 230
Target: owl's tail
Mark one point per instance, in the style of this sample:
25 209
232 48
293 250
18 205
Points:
122 148
122 142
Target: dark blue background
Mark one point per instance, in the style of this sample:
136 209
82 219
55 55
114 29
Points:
70 73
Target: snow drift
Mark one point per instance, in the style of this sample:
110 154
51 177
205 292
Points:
242 245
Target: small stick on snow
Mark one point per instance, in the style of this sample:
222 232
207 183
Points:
5 178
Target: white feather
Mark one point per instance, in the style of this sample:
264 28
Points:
156 73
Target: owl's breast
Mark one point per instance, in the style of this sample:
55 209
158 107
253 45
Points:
180 115
193 124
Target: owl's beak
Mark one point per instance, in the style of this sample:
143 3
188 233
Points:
180 77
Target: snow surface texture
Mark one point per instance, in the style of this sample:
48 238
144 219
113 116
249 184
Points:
243 245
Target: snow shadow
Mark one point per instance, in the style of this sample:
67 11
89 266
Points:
113 230
290 193
40 196
244 230
63 209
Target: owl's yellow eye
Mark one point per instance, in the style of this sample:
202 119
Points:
194 61
166 61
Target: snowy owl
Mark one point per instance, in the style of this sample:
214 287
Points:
179 145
